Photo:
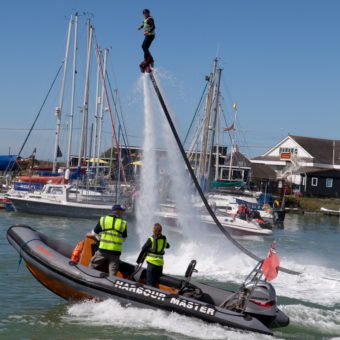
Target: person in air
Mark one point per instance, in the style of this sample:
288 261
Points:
111 231
148 27
154 249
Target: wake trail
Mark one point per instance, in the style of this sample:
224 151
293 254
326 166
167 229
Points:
149 322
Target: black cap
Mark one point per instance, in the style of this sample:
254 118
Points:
145 10
117 207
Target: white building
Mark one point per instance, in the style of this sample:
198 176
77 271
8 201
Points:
296 154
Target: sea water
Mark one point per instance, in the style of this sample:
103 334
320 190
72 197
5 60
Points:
309 244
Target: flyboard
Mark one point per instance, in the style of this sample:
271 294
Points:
146 66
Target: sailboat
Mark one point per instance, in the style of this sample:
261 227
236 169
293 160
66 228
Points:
213 167
59 196
208 157
221 175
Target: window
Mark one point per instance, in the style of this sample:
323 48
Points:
329 182
314 182
289 150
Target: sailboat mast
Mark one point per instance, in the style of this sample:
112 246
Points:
101 111
217 112
74 74
96 119
112 122
85 108
217 93
58 109
90 148
218 143
203 158
232 142
118 174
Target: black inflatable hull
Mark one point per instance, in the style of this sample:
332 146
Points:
49 262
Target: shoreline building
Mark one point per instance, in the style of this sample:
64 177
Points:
296 159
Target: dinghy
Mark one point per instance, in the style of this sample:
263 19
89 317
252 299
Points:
64 270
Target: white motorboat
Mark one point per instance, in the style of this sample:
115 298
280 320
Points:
235 226
230 204
65 200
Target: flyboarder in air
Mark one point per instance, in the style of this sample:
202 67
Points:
149 35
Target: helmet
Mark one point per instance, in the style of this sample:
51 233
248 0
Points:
145 10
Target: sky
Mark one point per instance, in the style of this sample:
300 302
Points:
280 61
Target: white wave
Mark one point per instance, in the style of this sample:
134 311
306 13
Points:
215 260
320 320
316 284
110 312
218 261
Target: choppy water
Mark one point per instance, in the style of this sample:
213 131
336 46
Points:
309 244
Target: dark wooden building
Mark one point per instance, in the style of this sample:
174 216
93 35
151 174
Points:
321 183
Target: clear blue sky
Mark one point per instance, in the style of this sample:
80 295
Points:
280 60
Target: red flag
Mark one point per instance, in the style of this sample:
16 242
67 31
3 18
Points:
271 264
228 128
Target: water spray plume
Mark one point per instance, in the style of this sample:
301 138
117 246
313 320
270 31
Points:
147 197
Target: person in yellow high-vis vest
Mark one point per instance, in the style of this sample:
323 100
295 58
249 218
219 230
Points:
111 232
154 249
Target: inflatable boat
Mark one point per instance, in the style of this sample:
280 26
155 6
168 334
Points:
64 270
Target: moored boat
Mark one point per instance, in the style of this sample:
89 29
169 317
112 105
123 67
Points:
5 203
65 200
332 212
252 307
236 226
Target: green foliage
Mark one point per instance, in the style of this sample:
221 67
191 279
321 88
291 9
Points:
292 201
311 204
314 204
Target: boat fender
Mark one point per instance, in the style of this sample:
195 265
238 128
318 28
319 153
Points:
75 257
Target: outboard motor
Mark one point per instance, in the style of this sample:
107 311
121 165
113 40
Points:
261 299
262 303
258 298
255 296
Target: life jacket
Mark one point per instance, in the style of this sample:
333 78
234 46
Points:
156 252
147 27
111 236
75 257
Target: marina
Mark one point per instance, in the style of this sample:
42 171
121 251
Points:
137 203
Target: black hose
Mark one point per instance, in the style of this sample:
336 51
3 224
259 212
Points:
198 188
